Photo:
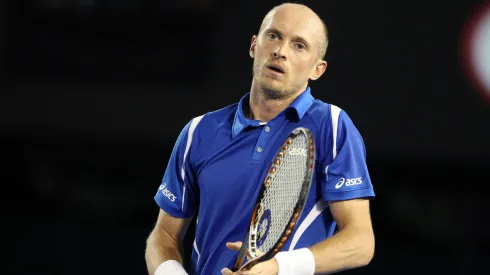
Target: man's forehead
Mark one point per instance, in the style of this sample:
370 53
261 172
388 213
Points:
298 25
301 21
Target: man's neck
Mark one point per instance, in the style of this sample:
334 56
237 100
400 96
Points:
263 108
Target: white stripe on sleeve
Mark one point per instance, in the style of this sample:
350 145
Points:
190 133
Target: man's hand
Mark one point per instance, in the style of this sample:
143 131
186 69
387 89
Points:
265 268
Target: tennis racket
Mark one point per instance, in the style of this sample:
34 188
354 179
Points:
281 199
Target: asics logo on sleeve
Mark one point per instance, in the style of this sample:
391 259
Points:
348 182
167 193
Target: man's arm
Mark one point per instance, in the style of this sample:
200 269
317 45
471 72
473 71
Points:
165 241
353 245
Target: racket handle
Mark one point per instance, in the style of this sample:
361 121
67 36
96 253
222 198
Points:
249 264
240 259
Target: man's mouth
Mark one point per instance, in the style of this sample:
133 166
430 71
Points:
276 68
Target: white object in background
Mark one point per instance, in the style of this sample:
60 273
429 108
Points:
476 55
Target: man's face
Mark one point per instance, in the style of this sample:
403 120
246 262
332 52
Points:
286 52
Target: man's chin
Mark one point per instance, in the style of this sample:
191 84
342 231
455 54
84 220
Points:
272 88
273 91
271 84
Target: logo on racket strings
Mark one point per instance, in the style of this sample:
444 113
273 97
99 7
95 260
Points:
167 193
348 182
263 227
298 152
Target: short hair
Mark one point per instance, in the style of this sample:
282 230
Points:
322 51
324 43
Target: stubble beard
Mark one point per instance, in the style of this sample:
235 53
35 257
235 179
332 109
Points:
265 88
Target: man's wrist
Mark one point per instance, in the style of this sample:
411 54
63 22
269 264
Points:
296 262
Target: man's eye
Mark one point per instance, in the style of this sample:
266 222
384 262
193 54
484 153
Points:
272 35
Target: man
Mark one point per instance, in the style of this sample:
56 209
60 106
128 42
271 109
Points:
216 164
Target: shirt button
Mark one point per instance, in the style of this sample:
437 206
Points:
267 129
259 149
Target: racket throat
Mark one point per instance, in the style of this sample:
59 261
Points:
252 242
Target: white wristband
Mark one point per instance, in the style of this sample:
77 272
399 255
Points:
170 267
296 262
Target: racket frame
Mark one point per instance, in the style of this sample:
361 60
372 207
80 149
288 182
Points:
298 208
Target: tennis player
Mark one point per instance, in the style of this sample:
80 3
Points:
218 160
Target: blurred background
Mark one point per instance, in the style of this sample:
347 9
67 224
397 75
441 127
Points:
95 92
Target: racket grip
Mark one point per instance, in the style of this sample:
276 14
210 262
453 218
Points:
240 259
249 265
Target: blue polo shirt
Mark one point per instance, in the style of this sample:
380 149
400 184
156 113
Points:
219 159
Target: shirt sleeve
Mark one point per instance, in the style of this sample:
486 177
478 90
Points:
178 192
346 174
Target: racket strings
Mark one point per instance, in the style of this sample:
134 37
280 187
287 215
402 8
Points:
284 191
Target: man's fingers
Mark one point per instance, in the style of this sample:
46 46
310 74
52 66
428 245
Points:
244 272
226 271
234 246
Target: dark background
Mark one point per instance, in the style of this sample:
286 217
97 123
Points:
95 92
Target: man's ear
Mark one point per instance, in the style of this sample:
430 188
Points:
252 46
319 69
